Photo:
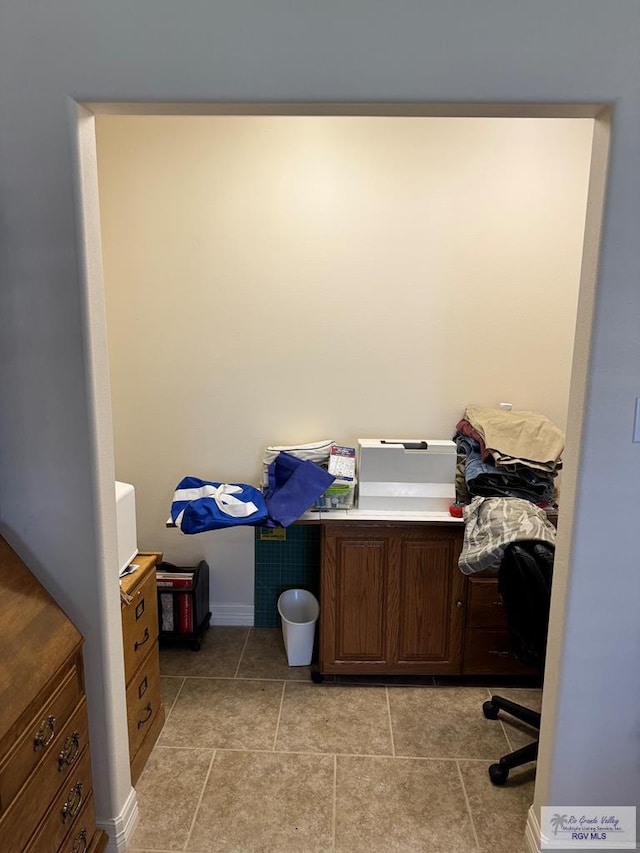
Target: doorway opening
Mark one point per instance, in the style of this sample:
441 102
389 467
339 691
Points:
275 274
339 322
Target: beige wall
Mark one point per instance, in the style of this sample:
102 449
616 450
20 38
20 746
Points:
271 280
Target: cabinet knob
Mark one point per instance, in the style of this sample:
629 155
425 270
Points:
459 604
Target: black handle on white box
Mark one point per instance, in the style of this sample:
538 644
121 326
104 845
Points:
408 445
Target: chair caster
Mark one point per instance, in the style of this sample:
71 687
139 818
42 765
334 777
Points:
498 774
491 713
195 646
316 676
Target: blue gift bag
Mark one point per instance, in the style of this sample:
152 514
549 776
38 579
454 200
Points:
200 505
294 485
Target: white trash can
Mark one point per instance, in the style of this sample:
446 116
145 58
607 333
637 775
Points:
299 611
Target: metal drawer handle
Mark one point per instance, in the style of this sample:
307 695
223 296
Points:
45 735
499 653
497 603
80 842
69 751
137 644
149 711
74 801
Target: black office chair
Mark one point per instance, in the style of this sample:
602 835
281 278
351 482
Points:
524 583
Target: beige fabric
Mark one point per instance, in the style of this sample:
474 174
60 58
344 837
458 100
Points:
525 436
504 461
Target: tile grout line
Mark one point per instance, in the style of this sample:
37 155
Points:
466 799
393 744
197 809
238 678
275 736
505 731
244 646
510 746
173 704
381 755
335 803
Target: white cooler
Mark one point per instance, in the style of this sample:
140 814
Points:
406 474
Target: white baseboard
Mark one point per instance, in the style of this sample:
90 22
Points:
231 614
532 833
121 828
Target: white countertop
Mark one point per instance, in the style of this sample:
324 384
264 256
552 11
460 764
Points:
379 515
355 515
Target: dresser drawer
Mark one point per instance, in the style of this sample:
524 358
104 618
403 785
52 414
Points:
143 700
55 770
40 736
488 652
80 837
71 819
484 606
139 624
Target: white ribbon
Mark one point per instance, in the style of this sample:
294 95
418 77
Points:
223 496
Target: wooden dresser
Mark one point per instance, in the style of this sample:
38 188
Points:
46 802
145 713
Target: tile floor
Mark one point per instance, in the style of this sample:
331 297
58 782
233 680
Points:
256 758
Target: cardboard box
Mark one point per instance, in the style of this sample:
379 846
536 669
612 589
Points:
406 475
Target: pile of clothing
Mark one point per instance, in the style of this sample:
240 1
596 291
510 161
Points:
507 465
507 454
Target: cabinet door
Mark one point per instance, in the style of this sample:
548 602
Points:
354 594
427 601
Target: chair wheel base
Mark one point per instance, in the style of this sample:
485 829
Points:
489 710
498 774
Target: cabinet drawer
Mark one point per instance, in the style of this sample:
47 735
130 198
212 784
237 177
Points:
40 736
488 652
143 700
79 839
139 624
54 772
485 608
71 813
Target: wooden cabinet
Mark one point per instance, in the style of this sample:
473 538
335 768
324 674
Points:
46 801
145 713
392 599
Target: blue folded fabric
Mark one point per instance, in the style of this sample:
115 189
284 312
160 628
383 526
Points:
201 505
294 485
